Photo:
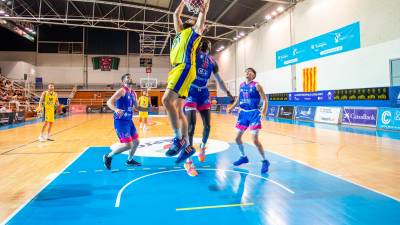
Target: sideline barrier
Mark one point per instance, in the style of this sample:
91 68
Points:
360 116
328 115
389 119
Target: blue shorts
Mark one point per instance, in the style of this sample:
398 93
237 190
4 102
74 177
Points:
198 98
249 119
126 130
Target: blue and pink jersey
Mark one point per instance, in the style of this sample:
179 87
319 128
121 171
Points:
249 101
199 96
249 98
123 125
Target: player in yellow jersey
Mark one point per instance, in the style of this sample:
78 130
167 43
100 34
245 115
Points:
183 61
47 104
144 104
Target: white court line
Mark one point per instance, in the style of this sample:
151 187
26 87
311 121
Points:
146 169
118 199
82 171
99 170
41 189
131 169
116 170
337 176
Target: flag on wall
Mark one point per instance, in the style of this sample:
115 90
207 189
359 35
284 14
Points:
310 79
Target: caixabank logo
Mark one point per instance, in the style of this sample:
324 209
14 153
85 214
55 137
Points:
157 146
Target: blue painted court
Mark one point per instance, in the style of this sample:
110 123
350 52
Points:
160 192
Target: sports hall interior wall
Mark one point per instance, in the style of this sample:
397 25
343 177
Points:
364 67
19 56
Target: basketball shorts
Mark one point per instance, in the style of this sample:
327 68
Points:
143 114
49 114
126 130
198 98
249 119
180 78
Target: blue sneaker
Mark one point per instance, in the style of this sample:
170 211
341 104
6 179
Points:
242 160
265 165
185 154
176 147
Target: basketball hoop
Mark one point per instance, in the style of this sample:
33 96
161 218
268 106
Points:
194 5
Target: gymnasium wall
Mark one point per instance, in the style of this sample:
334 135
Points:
68 68
364 67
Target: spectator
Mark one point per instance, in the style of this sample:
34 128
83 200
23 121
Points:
16 102
3 109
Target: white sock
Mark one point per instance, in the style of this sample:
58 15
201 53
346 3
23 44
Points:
178 133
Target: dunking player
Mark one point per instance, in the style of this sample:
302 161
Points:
249 99
49 99
143 108
122 103
199 99
183 60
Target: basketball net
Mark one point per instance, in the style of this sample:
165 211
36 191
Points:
194 5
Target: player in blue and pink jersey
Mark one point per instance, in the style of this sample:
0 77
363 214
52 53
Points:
199 99
122 103
249 99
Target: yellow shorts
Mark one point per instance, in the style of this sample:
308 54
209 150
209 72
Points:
143 114
49 115
180 78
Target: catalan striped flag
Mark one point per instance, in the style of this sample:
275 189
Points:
310 79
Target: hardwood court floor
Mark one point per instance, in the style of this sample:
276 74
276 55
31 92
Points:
27 165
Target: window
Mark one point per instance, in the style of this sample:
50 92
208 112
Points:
395 72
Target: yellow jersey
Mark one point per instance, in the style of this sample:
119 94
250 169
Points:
50 100
143 103
184 47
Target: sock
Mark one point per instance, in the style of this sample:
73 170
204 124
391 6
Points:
241 149
202 145
130 158
178 133
189 160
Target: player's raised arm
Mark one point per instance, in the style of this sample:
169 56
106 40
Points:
220 82
201 20
178 24
111 102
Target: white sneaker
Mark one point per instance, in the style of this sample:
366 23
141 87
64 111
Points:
41 138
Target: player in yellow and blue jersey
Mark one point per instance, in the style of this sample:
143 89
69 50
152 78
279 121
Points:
183 61
47 104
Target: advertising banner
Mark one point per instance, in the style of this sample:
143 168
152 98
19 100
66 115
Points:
389 118
360 116
272 111
305 113
78 108
341 40
318 96
328 115
286 112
